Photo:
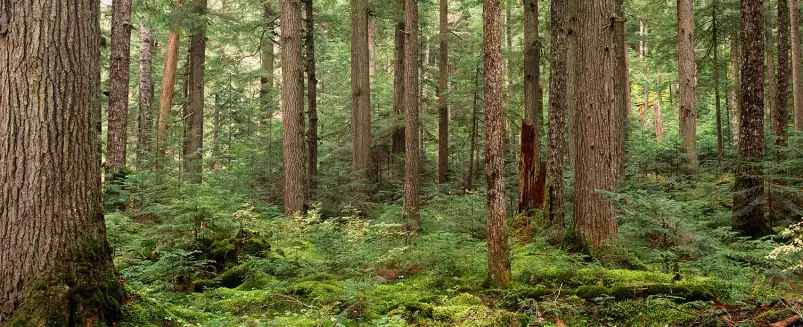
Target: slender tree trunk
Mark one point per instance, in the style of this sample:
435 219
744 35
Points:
474 127
780 113
748 208
267 59
498 254
56 267
397 147
656 113
443 87
166 93
292 108
371 50
687 77
717 100
557 104
194 118
735 97
360 89
119 74
571 82
144 120
621 84
646 106
312 101
797 83
770 95
412 178
594 215
532 99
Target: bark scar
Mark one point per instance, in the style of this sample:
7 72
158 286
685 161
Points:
5 16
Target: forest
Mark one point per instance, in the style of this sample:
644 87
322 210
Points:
389 163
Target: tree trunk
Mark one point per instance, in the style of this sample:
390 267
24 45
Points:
474 127
498 254
571 81
621 85
371 49
119 75
397 147
56 267
748 208
687 77
717 100
166 92
735 97
360 89
646 106
144 120
656 113
594 214
266 63
412 177
780 113
292 108
797 83
770 96
557 105
532 74
443 87
312 102
194 118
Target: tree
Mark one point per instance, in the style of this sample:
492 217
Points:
717 100
797 82
687 77
312 100
166 92
412 178
360 89
144 120
498 253
748 211
57 268
530 155
119 74
557 104
266 62
292 108
397 143
594 215
194 115
735 98
780 114
443 87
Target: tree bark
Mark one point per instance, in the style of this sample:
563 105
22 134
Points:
797 82
735 96
56 267
312 101
594 214
266 64
557 105
397 147
166 92
443 87
474 127
119 76
360 89
292 108
748 208
717 100
656 113
532 98
144 118
498 253
687 77
621 85
194 117
571 82
412 178
780 113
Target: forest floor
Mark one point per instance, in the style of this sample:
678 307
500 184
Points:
675 264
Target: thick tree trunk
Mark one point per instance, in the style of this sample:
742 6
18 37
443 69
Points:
594 214
397 146
360 89
144 120
194 117
687 77
266 63
571 81
498 253
717 100
166 93
748 208
412 178
797 82
443 87
770 96
780 113
735 98
557 105
119 76
292 108
55 261
312 101
532 100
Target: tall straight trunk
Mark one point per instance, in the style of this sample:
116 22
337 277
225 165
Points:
748 208
371 49
797 83
397 146
472 164
735 96
621 84
498 253
56 267
594 215
194 117
687 77
412 178
571 81
292 108
780 114
770 95
532 75
656 113
119 75
360 89
266 64
312 101
166 92
646 106
557 104
717 100
443 87
144 120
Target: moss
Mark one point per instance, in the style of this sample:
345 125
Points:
315 290
591 292
418 309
